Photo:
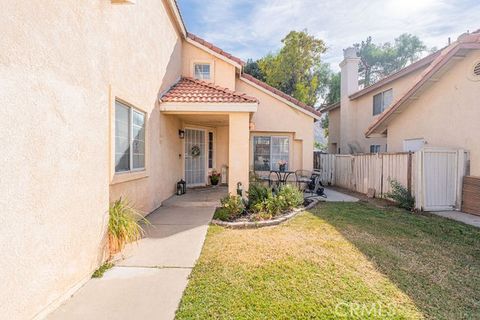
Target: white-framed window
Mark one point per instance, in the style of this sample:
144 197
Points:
374 148
381 101
129 138
202 71
268 151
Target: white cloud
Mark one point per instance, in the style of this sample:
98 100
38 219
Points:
252 28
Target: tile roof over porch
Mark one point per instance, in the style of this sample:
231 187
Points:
191 90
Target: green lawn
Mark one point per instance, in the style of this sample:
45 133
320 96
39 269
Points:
339 261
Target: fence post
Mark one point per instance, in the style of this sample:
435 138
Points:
409 173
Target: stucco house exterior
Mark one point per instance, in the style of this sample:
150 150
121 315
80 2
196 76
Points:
433 102
109 99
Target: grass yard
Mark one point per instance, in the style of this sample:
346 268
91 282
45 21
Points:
339 261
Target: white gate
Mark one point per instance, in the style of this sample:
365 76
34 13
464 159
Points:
440 174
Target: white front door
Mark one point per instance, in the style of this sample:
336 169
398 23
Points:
195 157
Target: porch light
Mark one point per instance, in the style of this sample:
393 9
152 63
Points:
181 134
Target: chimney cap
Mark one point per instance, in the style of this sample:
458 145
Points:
350 53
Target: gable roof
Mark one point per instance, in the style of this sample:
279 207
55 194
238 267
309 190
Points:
330 107
207 45
456 50
396 75
189 90
279 94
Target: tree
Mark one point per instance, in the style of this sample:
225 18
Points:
296 69
332 89
252 68
379 60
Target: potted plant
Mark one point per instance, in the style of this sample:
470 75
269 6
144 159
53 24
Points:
214 177
282 165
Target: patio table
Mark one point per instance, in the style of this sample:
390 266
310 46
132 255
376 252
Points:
281 175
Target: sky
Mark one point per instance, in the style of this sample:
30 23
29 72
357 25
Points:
254 28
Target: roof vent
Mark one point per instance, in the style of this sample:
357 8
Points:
476 69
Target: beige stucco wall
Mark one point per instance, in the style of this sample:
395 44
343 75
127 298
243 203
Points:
277 117
238 150
224 73
221 147
58 62
447 114
333 130
361 116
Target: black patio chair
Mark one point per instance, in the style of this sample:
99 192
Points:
303 178
315 187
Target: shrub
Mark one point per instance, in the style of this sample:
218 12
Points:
232 207
256 194
271 206
292 197
221 214
123 225
401 195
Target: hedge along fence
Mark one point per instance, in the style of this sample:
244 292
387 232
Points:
366 171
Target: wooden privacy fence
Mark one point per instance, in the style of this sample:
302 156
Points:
367 171
471 195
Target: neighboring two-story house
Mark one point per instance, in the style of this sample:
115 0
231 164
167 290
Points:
432 102
104 99
349 118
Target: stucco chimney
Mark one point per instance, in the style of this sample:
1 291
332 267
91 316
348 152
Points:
348 86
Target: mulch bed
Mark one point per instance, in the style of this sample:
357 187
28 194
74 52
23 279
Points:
245 222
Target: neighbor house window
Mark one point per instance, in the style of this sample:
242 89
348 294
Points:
381 101
129 138
210 150
268 151
202 71
375 148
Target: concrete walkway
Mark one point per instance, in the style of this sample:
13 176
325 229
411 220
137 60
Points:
335 196
149 282
460 216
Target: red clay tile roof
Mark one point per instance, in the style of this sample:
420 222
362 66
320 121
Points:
214 48
281 94
196 91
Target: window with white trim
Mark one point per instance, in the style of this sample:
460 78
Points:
129 138
269 151
381 101
375 148
202 71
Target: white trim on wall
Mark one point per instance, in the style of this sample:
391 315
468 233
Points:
210 62
172 107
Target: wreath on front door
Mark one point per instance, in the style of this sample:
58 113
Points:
195 151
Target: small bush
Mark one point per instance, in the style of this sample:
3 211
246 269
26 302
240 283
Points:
232 207
221 214
401 196
292 197
123 225
257 193
272 206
